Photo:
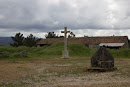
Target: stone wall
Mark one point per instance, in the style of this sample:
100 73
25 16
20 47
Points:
126 45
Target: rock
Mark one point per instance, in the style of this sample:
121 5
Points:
24 53
17 55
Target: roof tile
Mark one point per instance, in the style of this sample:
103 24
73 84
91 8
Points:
86 40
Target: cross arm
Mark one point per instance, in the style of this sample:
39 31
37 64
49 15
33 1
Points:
62 31
68 31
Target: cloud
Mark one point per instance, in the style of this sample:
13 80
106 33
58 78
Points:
78 33
105 32
53 15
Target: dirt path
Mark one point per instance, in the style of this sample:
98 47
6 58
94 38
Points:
59 73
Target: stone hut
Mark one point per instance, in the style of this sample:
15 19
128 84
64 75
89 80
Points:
102 60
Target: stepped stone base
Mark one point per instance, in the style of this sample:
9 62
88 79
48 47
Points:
101 69
65 54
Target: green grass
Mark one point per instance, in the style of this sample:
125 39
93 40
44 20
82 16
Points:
122 53
78 50
55 50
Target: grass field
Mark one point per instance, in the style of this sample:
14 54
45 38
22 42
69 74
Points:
55 50
58 72
44 67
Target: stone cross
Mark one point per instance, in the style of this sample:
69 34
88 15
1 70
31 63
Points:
65 53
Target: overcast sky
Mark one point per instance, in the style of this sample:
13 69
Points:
83 17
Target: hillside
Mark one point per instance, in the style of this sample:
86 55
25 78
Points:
55 50
4 41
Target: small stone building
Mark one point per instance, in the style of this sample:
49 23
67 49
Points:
102 60
113 42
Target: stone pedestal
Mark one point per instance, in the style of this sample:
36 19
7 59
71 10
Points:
102 60
65 54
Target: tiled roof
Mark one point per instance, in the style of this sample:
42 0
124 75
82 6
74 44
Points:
87 40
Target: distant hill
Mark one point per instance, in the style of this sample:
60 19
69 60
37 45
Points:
4 41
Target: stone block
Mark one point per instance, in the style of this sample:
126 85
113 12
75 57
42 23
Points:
24 53
65 54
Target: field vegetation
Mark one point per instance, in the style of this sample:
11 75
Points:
55 50
44 67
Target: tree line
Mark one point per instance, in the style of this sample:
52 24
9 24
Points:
30 41
20 40
53 35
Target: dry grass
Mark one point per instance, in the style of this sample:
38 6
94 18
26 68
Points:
58 72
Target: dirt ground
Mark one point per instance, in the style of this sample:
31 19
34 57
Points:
59 72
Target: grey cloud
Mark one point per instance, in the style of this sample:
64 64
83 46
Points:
45 15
